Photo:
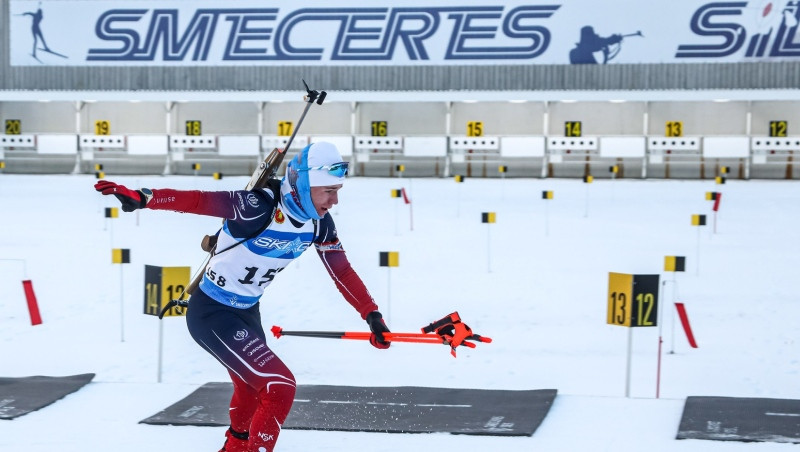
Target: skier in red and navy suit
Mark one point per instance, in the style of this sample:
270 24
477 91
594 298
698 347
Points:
223 313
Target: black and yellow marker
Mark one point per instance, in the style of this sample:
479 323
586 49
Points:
698 220
217 176
502 169
459 178
674 263
389 259
112 212
711 195
397 193
588 179
120 256
547 194
488 217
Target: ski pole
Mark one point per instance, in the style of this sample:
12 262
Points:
392 337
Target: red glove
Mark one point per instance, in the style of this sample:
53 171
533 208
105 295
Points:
377 326
130 199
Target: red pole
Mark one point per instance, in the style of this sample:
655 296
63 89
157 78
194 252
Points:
33 307
685 322
410 209
658 370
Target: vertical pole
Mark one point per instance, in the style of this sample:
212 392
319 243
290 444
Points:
121 306
396 218
660 320
410 204
546 218
674 299
489 247
586 211
628 364
388 293
697 258
160 347
458 199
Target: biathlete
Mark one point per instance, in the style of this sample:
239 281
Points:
264 230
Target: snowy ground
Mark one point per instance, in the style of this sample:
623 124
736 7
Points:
536 281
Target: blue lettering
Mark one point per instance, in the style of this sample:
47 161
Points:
286 51
307 34
539 36
105 30
163 33
732 34
412 38
242 32
393 30
514 26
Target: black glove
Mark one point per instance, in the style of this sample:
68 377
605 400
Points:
130 199
378 327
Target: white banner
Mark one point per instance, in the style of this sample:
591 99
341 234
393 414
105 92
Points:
408 33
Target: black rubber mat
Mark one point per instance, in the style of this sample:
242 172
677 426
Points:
20 396
741 419
381 409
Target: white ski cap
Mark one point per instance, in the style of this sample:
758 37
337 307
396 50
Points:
323 153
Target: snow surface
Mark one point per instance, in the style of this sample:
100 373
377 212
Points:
536 281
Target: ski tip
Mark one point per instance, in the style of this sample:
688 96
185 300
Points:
276 330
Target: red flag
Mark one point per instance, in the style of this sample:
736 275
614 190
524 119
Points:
405 196
716 201
33 307
685 322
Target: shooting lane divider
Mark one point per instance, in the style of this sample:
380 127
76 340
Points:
677 264
121 256
547 195
698 220
673 264
388 259
401 193
588 179
502 169
396 193
162 285
716 197
488 218
459 178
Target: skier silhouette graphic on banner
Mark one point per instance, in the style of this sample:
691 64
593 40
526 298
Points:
36 30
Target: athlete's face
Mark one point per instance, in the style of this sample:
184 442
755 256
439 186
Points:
324 198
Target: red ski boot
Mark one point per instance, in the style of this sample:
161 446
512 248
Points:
235 441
